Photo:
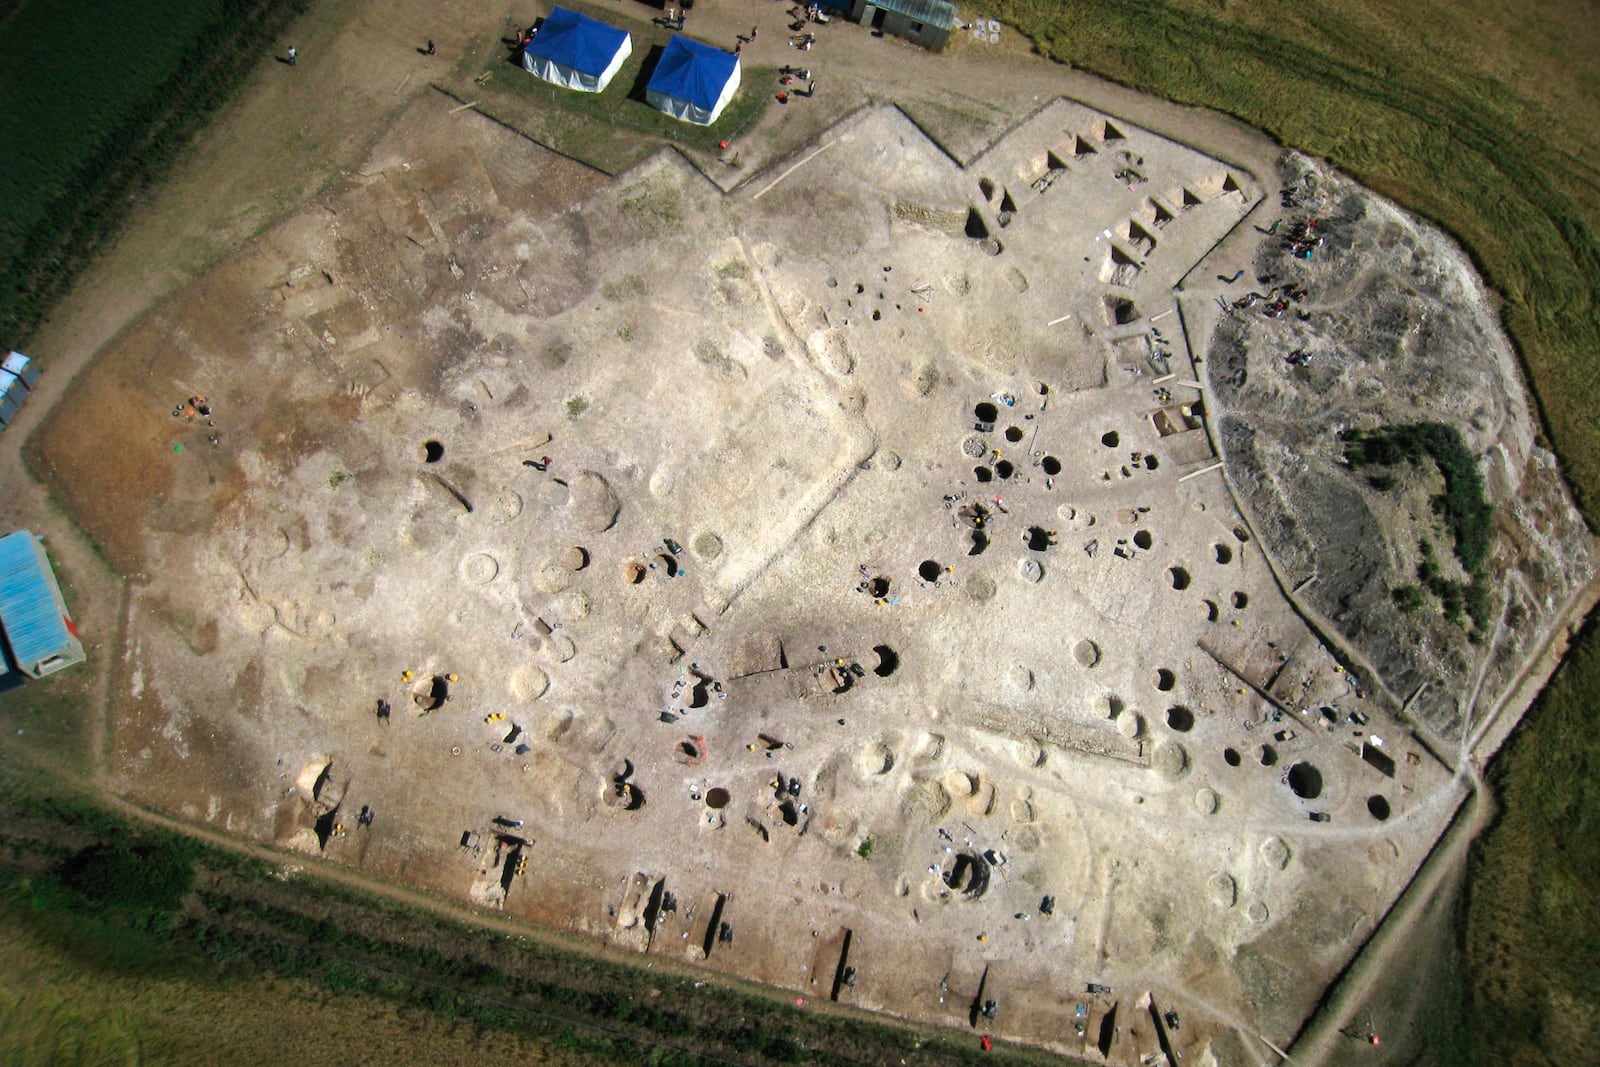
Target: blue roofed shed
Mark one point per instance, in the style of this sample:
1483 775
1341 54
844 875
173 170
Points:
576 51
693 81
33 615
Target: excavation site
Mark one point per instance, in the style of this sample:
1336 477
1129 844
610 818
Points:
1057 582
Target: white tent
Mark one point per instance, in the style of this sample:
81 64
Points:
576 51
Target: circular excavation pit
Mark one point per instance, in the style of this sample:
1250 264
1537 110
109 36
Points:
1241 601
430 452
633 572
1165 680
1180 578
983 474
1224 553
1142 540
1111 439
1378 807
888 661
717 798
429 693
1266 755
1180 718
1305 781
1004 469
985 412
1014 434
1051 466
968 875
929 570
1230 756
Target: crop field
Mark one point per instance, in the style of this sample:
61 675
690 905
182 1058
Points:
1482 117
97 97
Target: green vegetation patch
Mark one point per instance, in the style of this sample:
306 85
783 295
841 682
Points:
1463 506
97 98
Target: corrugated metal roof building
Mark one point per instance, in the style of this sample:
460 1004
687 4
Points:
927 22
33 615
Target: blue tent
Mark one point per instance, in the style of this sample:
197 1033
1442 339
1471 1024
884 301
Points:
693 81
576 51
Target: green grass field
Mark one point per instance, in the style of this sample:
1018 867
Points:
1485 118
97 98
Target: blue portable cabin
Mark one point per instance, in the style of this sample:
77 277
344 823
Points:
12 394
23 367
33 615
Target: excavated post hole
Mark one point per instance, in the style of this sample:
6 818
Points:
1378 807
1180 718
431 452
1241 601
983 474
1305 781
1142 540
1051 465
985 412
929 570
1180 578
1038 539
888 661
1266 755
1111 439
1165 680
1224 553
1013 434
431 692
1004 469
1230 756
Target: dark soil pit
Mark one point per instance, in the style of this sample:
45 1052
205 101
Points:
1111 439
1004 469
929 570
1051 465
1038 539
717 798
1142 540
983 474
1378 807
431 692
1180 718
1305 781
1230 756
1224 553
1241 601
1013 434
888 661
431 452
1165 680
878 588
1266 755
1151 462
986 412
1180 578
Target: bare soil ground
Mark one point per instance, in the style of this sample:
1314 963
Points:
959 371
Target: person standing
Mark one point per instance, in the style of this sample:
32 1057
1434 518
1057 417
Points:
294 55
430 50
